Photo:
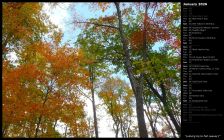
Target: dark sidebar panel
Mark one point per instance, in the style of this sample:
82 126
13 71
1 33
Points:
202 69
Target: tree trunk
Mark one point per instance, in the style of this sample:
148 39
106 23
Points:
168 110
137 88
163 99
151 123
55 124
66 131
140 112
172 118
38 125
122 130
93 100
170 126
40 117
116 129
168 121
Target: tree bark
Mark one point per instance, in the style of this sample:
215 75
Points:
137 88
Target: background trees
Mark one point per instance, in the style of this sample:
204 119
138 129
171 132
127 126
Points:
23 23
118 99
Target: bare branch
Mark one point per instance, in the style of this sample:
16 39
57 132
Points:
97 24
84 94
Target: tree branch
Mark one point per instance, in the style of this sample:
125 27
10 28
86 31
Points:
84 94
150 86
97 24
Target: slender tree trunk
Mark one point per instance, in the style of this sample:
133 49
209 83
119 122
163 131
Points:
55 124
122 130
151 123
170 126
116 129
167 120
149 116
93 100
163 99
38 125
128 131
168 110
137 88
172 118
40 117
66 131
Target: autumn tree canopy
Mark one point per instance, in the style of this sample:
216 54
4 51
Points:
125 61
